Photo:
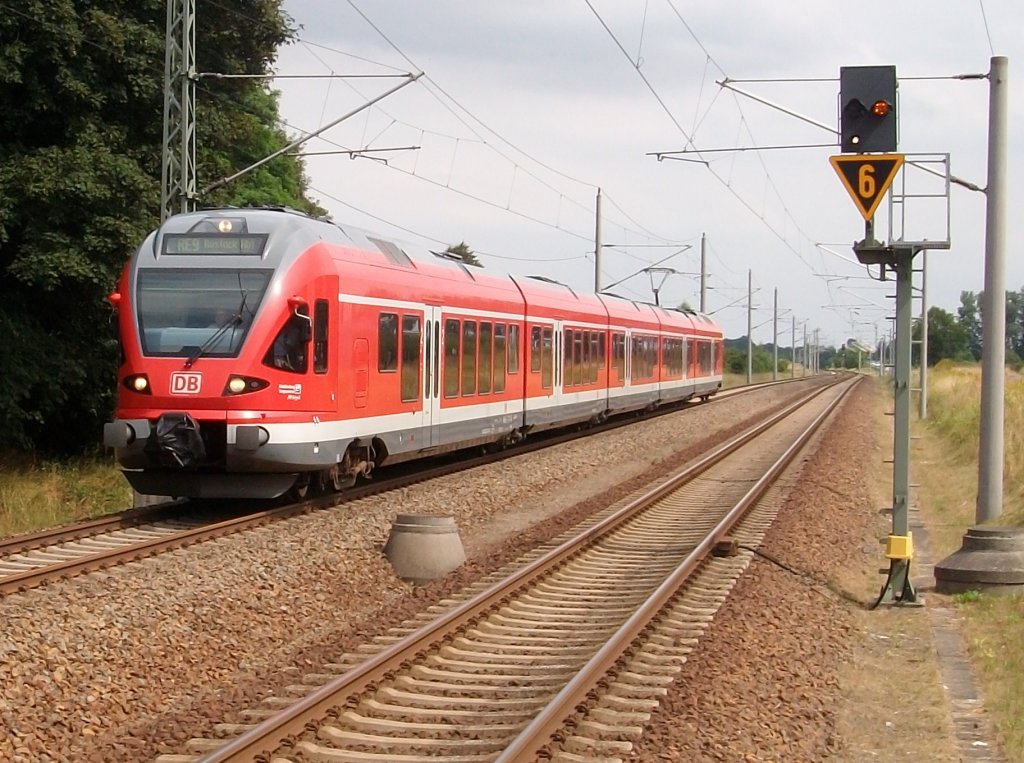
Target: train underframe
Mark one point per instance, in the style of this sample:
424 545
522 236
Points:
178 455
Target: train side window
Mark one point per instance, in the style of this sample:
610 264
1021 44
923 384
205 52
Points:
320 317
705 358
601 338
426 381
290 348
410 357
513 348
579 359
567 362
486 358
468 358
535 359
500 357
619 354
452 330
387 342
546 357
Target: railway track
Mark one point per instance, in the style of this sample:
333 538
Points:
28 561
566 654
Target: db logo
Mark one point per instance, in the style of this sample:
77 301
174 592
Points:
186 384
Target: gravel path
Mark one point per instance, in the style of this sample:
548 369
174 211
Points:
125 664
774 683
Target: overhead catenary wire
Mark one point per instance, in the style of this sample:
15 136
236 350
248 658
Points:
561 194
689 140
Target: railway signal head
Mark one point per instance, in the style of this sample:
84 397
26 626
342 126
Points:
867 109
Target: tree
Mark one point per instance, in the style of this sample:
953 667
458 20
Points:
969 316
1015 322
463 252
80 139
736 358
946 338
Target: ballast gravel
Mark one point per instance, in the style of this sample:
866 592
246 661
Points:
129 663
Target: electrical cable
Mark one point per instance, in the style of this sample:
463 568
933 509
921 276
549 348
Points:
817 581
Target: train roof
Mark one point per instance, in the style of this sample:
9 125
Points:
289 233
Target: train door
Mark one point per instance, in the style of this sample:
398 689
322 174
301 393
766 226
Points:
323 384
360 372
431 375
627 350
557 381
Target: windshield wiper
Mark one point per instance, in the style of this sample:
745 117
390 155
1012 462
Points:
234 320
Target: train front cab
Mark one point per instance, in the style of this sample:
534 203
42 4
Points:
211 406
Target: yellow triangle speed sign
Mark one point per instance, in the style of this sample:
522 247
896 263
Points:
867 177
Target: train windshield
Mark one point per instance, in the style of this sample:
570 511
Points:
198 312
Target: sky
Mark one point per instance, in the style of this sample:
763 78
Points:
525 109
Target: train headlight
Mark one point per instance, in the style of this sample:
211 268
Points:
138 383
240 385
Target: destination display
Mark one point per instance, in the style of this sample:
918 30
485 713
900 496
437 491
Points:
214 243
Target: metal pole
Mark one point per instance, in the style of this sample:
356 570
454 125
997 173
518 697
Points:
598 244
703 272
804 350
792 343
898 584
878 349
178 158
922 400
993 310
750 316
775 338
816 358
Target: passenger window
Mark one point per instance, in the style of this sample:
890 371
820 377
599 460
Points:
320 317
387 342
535 359
619 354
579 360
513 348
468 357
289 351
546 357
500 352
485 358
567 359
410 357
451 357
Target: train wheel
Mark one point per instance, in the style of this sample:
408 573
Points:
336 481
300 491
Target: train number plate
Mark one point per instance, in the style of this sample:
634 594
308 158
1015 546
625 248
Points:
186 383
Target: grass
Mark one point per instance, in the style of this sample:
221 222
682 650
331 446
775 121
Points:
945 464
995 627
739 380
36 494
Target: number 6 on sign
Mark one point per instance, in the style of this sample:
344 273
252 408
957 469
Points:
866 182
867 178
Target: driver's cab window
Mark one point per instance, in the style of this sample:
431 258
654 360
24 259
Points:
290 349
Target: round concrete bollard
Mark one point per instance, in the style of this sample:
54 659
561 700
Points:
991 559
423 548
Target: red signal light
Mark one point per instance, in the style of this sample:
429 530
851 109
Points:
881 108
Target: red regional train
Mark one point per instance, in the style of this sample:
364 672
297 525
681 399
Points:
265 351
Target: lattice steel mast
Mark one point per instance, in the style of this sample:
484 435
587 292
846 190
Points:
178 158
